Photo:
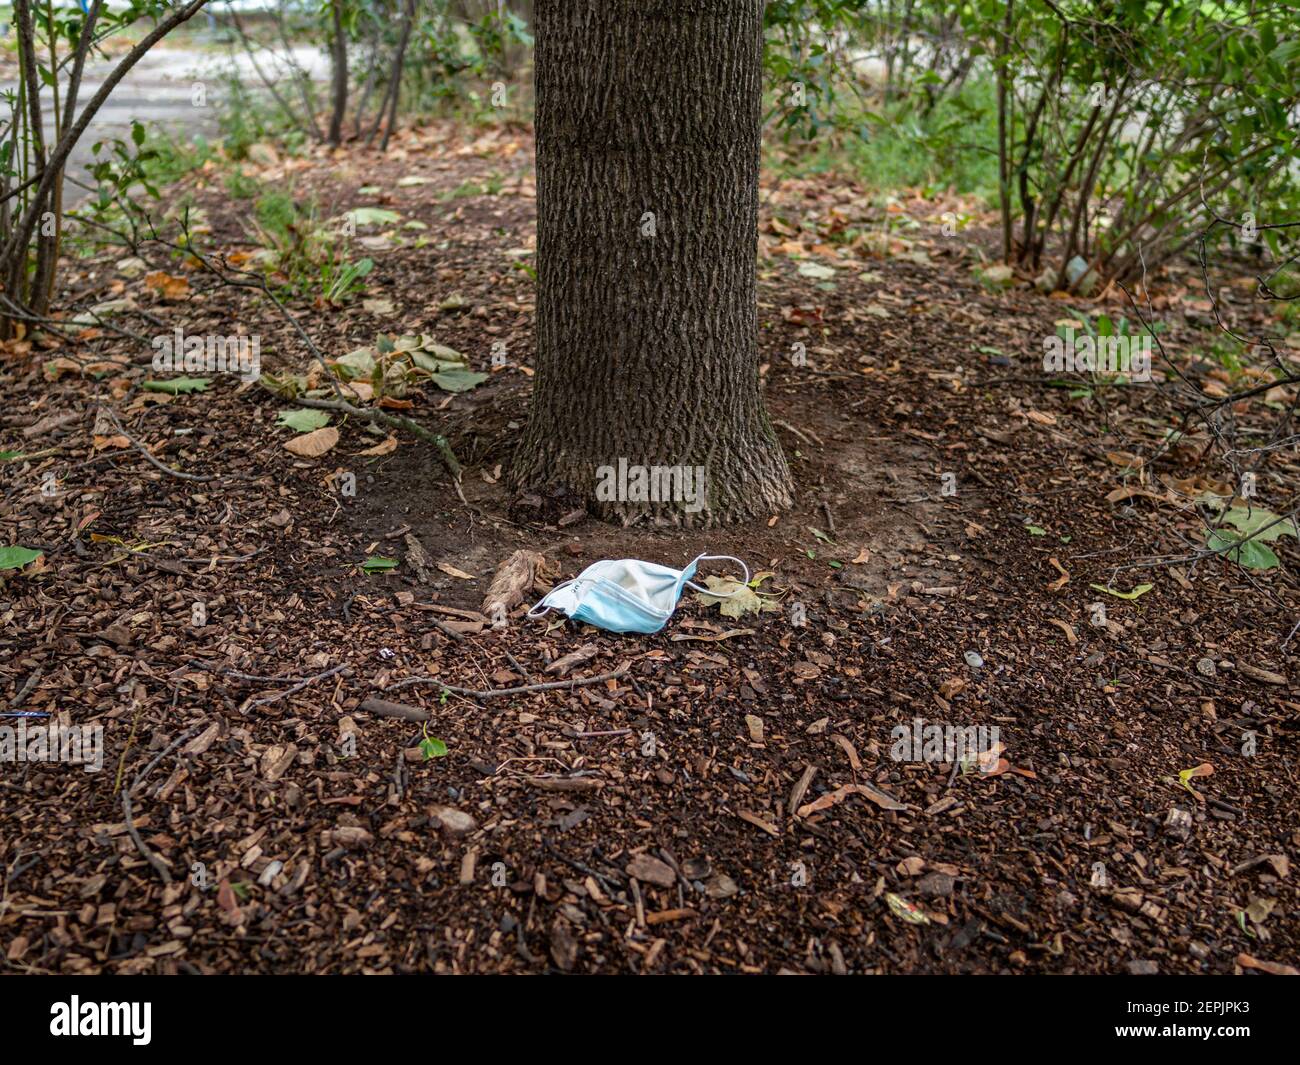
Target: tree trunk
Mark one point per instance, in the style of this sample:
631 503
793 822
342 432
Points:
648 127
339 73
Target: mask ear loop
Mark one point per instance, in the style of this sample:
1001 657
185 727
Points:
541 608
719 558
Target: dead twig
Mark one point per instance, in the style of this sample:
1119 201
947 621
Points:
149 856
305 682
149 455
494 693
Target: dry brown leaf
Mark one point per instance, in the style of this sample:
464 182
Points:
1274 968
384 447
1130 492
452 571
1066 628
758 822
850 751
314 444
832 798
166 285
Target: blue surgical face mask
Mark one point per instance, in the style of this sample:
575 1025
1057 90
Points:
626 595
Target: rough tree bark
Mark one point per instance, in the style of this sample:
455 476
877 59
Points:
648 125
338 72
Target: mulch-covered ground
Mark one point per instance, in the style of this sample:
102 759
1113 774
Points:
728 802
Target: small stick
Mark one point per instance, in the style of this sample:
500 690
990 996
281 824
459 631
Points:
149 455
592 735
830 520
148 855
808 438
299 686
32 681
518 668
242 676
447 631
493 693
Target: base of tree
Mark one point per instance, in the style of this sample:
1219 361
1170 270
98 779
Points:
749 480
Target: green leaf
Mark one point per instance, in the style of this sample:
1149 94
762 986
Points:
1250 554
437 364
9 456
178 385
17 557
303 420
1252 522
358 363
1140 590
1035 530
818 271
374 216
433 748
458 380
378 564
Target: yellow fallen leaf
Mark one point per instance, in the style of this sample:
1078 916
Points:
1187 775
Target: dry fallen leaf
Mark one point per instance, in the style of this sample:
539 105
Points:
715 638
385 447
758 822
831 798
452 571
314 444
1066 628
166 285
1273 967
851 752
